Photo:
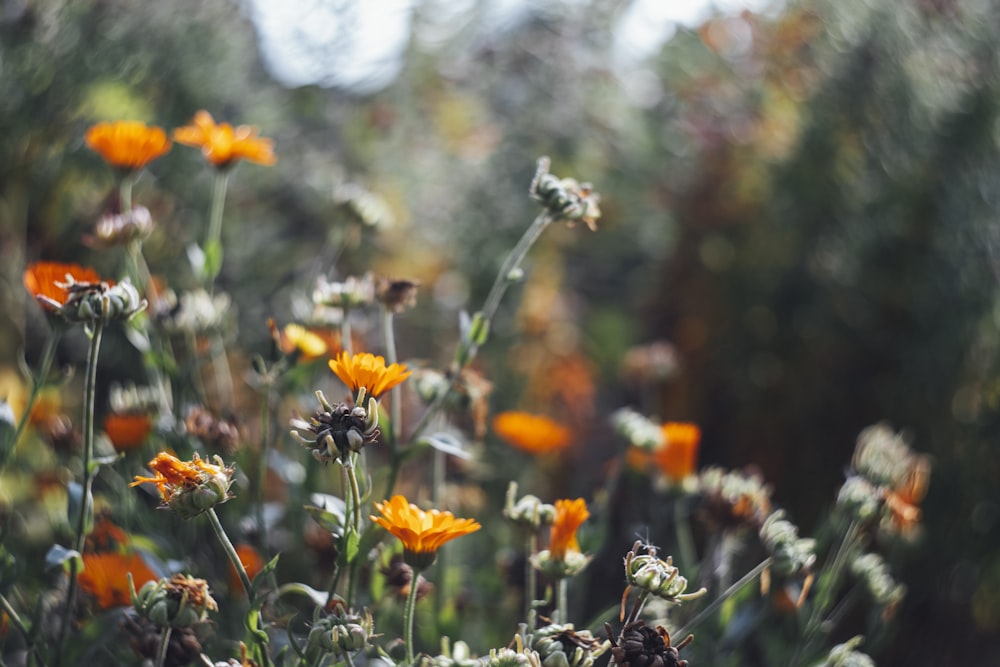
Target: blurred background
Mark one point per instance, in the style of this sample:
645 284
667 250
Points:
802 199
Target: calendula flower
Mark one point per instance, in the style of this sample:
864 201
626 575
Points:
677 457
369 372
127 144
105 576
49 282
563 557
189 487
222 144
530 433
334 431
565 198
178 602
422 533
127 431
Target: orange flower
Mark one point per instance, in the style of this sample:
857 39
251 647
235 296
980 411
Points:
105 577
904 501
189 487
128 144
366 370
46 281
223 144
127 431
677 457
295 338
422 533
570 515
531 433
252 563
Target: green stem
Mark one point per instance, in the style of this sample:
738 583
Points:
352 479
265 446
531 577
408 613
230 550
85 519
213 237
37 382
728 593
125 193
34 654
511 263
561 613
392 357
161 653
223 376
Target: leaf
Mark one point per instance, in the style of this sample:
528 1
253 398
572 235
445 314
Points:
262 576
213 260
351 544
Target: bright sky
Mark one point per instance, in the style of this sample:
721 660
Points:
364 40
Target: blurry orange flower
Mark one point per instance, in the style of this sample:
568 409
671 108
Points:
252 563
127 144
46 281
677 457
105 576
127 431
570 515
904 501
422 533
369 371
531 433
106 536
295 338
222 144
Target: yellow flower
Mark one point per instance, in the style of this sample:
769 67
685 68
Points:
532 433
369 371
127 144
188 487
105 576
677 457
422 533
48 282
570 515
297 339
222 144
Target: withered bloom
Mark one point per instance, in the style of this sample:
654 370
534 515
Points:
640 646
399 577
214 432
396 295
335 430
189 487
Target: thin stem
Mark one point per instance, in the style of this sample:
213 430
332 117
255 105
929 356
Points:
223 376
15 619
213 239
408 613
561 613
161 653
511 263
392 357
352 478
37 382
230 550
728 593
265 445
531 577
125 193
85 518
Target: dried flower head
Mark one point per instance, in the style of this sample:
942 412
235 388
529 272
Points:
340 632
222 144
351 292
127 144
189 487
178 602
564 646
422 533
214 432
145 638
530 433
367 374
640 646
334 431
733 498
565 199
677 457
105 576
396 294
115 229
529 511
655 575
399 577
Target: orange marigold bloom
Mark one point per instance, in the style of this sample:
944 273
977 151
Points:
252 563
105 576
677 457
369 371
422 533
127 431
188 487
128 144
46 281
570 515
222 144
532 433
